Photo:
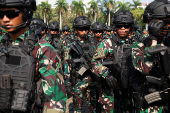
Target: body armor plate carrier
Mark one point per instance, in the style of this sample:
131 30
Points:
120 51
17 70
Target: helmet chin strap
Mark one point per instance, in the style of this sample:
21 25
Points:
16 30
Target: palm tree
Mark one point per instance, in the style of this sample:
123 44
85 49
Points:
136 3
46 9
62 6
37 13
94 8
109 4
78 7
124 5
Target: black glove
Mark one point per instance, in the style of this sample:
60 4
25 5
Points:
155 27
111 81
68 89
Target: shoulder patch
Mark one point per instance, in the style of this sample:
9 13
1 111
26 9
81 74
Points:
99 53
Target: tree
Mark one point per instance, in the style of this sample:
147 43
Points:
62 6
138 15
93 8
78 7
136 4
124 5
109 4
46 9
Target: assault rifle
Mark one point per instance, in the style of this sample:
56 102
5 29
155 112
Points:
84 59
162 56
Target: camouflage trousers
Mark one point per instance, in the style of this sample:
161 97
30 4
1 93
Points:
81 92
154 109
55 95
107 101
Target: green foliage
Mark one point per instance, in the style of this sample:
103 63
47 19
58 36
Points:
44 11
138 15
125 6
62 6
99 10
78 7
93 9
136 4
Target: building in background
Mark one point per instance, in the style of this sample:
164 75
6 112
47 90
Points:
143 5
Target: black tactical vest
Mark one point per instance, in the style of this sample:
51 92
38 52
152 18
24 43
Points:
17 70
120 50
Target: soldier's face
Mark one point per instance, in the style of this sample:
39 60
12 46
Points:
123 30
108 32
82 31
65 33
53 32
98 34
11 17
166 28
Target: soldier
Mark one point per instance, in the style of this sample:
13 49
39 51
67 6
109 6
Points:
66 30
113 32
54 38
138 31
108 31
44 28
78 56
54 29
124 27
1 32
66 37
106 72
25 60
97 28
38 27
151 61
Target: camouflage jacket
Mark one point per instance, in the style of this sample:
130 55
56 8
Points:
66 40
103 52
49 68
143 61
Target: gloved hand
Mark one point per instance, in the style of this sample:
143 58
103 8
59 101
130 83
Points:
68 89
155 27
111 81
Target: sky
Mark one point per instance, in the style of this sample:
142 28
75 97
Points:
86 1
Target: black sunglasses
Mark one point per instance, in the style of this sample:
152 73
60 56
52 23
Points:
123 25
83 29
98 31
65 31
10 13
108 30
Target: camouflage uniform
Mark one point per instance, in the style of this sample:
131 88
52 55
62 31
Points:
144 63
48 65
81 86
104 51
66 40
